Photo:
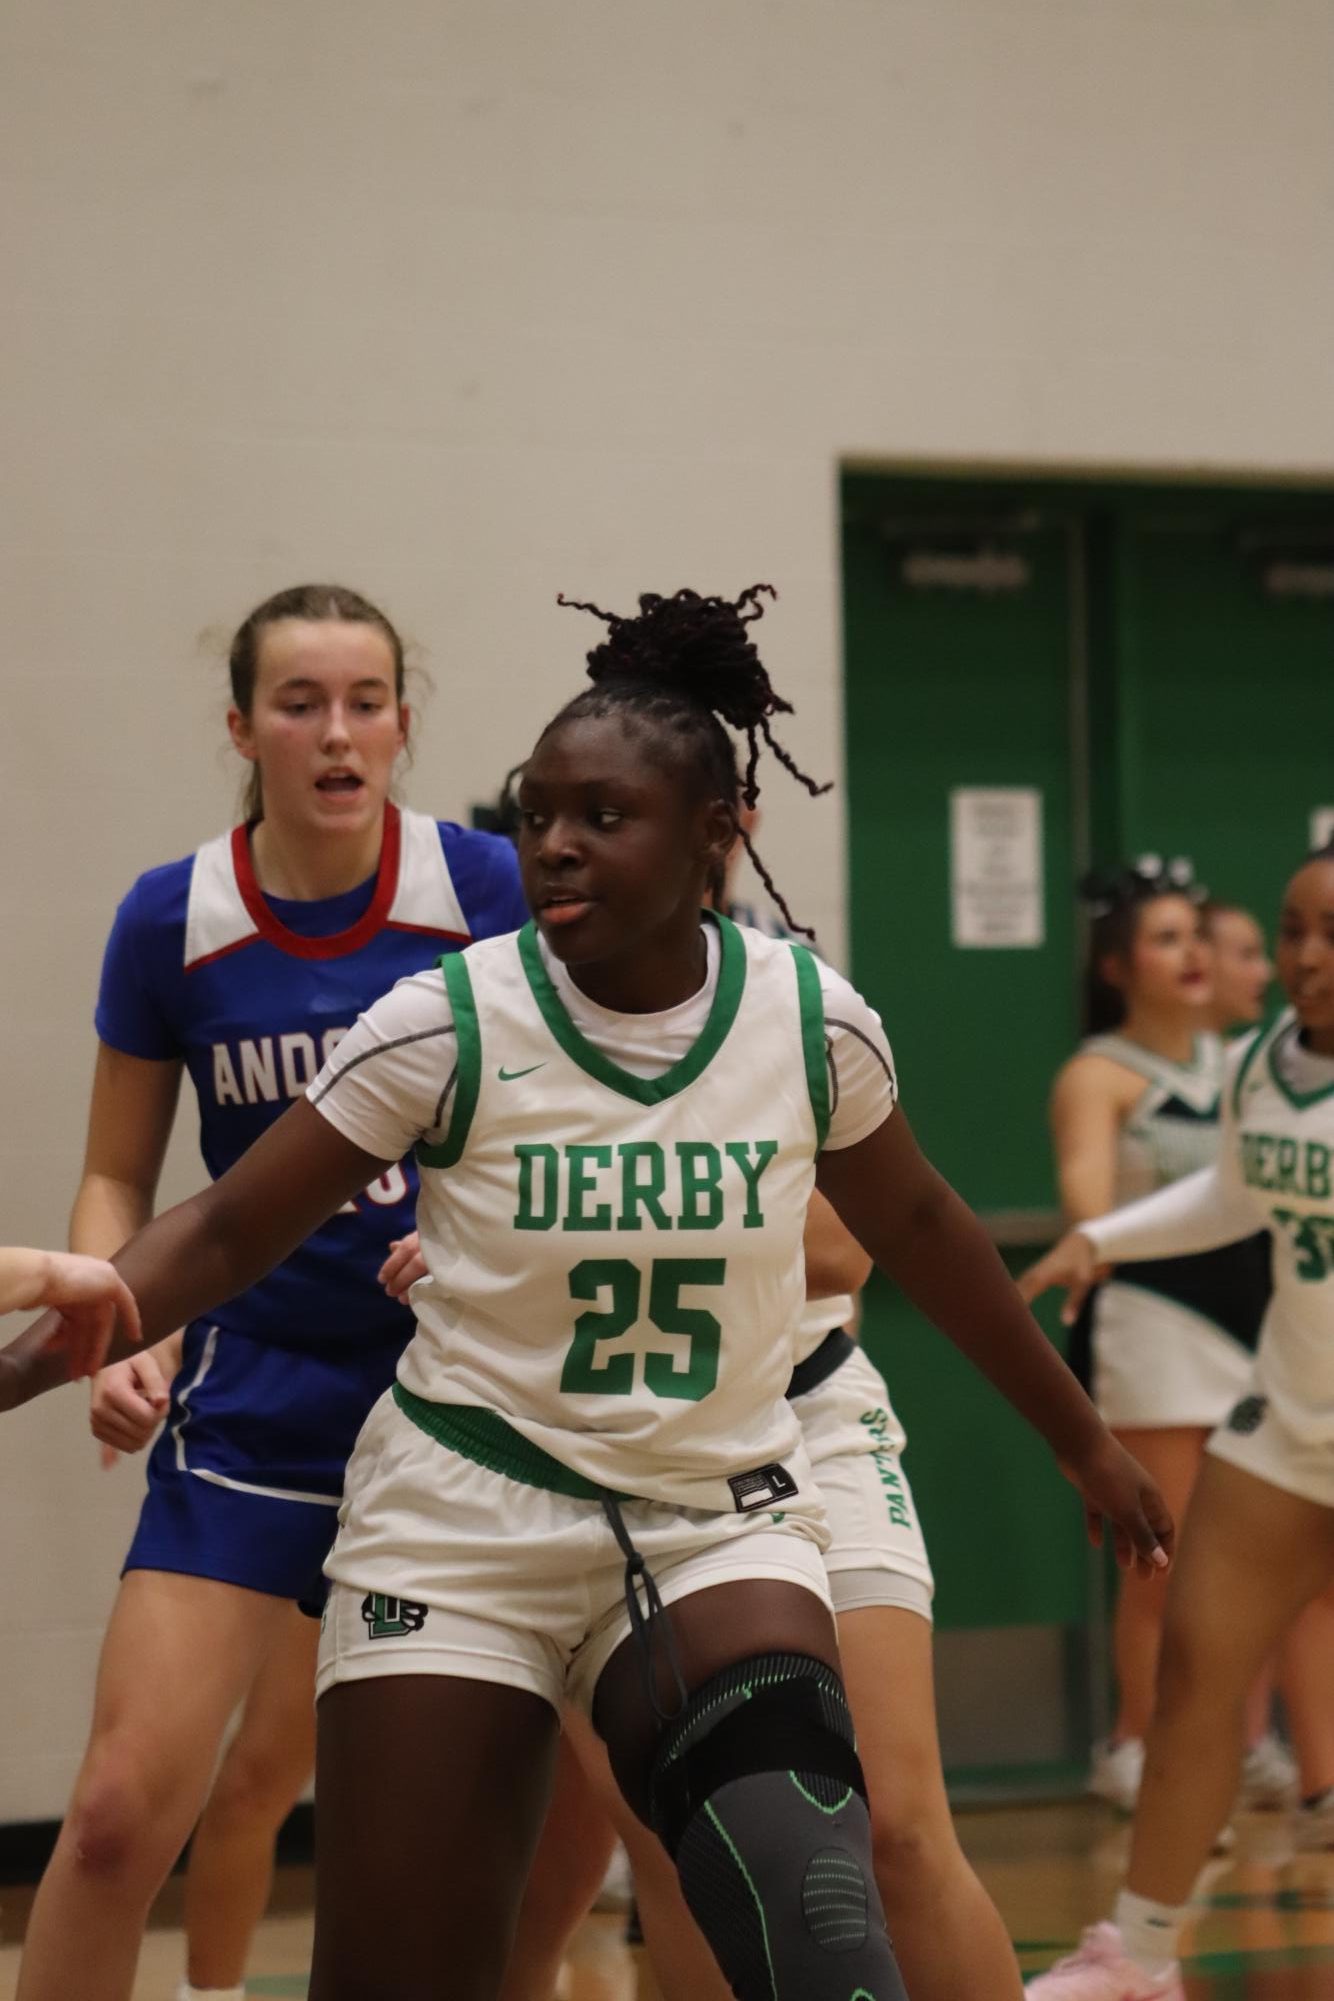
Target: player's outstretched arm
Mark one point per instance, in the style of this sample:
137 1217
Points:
60 1278
88 1296
930 1243
209 1247
1072 1264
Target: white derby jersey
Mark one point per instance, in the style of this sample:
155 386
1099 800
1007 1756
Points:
1282 1105
615 1263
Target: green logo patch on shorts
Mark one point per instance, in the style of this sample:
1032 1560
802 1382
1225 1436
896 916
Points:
389 1618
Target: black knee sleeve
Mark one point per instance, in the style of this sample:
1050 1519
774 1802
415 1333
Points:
758 1796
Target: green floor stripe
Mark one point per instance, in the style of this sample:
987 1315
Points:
1270 1961
1312 1898
1232 1963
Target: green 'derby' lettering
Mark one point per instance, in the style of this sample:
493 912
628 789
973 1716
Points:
537 1213
585 1162
640 1184
701 1171
739 1151
1282 1165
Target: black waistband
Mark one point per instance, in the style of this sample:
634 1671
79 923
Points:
818 1367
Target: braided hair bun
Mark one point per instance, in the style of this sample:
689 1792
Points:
684 665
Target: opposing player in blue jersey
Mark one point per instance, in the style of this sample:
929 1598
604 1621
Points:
245 964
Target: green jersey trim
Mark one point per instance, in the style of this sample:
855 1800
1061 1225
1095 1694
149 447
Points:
484 1437
810 999
467 1083
1299 1099
644 1090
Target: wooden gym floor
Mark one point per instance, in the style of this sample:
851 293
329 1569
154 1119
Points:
1264 1929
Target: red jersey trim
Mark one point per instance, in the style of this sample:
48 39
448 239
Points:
338 943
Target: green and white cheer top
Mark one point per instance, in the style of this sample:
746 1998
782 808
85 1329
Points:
1172 1128
612 1206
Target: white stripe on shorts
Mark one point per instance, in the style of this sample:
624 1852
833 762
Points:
223 1479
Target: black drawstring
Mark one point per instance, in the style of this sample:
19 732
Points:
643 1622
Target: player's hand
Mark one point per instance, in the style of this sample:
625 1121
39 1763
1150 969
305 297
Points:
403 1266
90 1296
1115 1488
1072 1263
130 1399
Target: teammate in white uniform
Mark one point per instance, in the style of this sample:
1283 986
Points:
1241 975
593 1405
1258 1544
1170 1341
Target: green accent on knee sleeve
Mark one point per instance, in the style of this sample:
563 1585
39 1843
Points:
825 1806
749 1882
738 1684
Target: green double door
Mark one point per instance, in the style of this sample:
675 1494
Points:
1119 670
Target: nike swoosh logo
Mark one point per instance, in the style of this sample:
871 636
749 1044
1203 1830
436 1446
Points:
508 1076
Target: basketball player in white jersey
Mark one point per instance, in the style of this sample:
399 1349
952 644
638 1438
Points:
587 1480
1258 1545
948 1935
1171 1341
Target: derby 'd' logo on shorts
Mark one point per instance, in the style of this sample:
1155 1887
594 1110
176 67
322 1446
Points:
389 1618
1249 1415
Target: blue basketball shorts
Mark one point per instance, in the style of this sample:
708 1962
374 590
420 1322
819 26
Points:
246 1477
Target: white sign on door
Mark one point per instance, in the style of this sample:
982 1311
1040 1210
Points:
1322 826
996 867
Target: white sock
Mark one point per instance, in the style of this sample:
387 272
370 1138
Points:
185 1992
1149 1931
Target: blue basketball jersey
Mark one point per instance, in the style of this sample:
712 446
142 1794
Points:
253 993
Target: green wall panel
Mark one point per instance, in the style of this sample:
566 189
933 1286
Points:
1152 684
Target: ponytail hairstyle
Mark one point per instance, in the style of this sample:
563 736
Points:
1116 900
316 602
677 671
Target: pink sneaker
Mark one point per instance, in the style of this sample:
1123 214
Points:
1100 1971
